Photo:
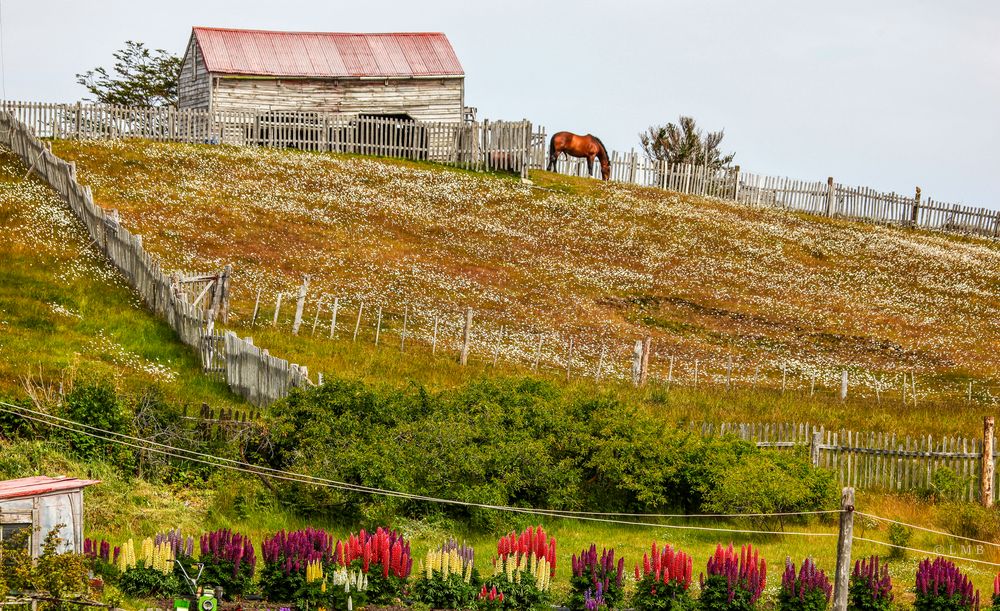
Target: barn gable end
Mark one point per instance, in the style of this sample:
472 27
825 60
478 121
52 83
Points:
193 84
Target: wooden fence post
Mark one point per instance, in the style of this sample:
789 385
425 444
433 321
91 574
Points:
333 316
256 307
915 214
830 195
843 385
987 470
647 347
466 335
277 308
736 183
637 363
300 304
844 540
814 447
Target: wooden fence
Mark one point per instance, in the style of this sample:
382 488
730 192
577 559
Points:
255 375
479 145
826 198
874 461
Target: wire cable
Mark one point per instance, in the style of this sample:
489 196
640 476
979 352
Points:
923 551
929 530
305 479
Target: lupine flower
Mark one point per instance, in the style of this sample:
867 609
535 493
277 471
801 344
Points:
809 580
746 572
875 576
942 578
224 544
667 565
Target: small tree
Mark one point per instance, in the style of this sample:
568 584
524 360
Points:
684 142
140 77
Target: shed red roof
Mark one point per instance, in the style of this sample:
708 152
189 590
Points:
34 486
326 54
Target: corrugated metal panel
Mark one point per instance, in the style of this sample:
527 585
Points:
34 486
326 54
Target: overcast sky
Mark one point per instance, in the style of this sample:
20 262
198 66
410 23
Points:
888 94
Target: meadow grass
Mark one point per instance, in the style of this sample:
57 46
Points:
65 314
569 257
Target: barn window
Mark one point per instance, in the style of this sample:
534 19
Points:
15 534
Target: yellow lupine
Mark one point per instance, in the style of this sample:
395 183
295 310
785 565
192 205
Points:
147 552
468 573
314 571
126 557
163 558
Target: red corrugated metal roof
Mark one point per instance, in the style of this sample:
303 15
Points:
327 54
34 486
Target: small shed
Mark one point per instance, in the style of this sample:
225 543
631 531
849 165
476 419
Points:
412 75
41 503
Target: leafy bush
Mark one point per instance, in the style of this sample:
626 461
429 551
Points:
524 568
899 536
449 579
586 453
665 581
941 586
733 582
97 404
807 590
60 575
970 520
229 560
597 575
945 484
870 587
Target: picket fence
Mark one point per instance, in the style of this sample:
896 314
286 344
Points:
825 198
252 373
478 145
873 461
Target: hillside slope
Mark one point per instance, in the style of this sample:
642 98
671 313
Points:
64 313
605 263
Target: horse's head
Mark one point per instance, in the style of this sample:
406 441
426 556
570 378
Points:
605 169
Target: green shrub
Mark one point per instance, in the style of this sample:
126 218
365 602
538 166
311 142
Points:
146 582
899 536
970 520
515 442
97 405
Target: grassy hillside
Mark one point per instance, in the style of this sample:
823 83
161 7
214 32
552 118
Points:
603 263
64 313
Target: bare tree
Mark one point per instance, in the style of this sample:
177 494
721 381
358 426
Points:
684 142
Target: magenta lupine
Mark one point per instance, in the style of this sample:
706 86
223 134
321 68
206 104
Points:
292 551
808 581
99 550
874 574
600 570
941 578
224 544
746 572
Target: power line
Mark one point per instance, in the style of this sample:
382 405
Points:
306 479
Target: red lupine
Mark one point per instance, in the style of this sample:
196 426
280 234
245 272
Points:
666 565
745 572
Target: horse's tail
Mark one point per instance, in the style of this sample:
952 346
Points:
551 166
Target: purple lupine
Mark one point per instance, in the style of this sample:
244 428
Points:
599 569
942 578
224 544
808 580
593 601
875 575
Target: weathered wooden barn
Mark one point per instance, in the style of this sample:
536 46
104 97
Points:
38 505
414 75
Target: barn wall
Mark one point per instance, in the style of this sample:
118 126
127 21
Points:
193 84
47 512
422 99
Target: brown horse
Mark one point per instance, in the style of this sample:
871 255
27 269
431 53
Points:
579 146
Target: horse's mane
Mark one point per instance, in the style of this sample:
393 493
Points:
603 148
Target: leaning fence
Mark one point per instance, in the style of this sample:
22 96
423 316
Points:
480 145
166 294
880 461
